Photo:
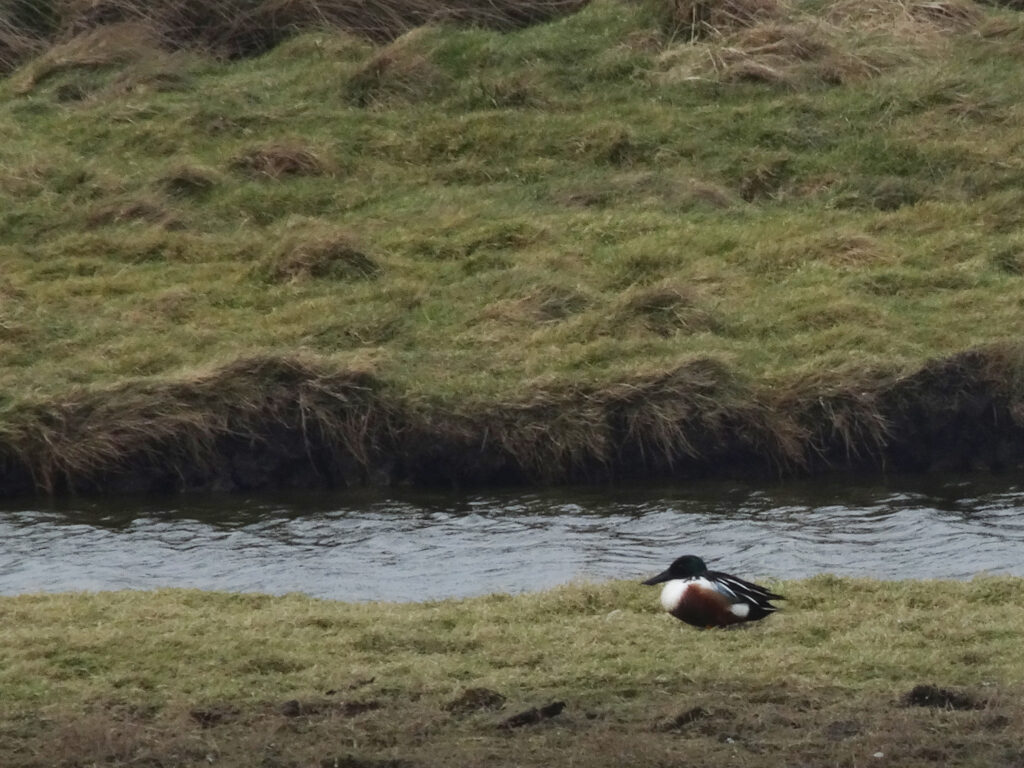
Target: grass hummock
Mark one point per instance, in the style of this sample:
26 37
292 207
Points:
247 244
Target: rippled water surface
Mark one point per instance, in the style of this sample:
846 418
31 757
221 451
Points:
425 546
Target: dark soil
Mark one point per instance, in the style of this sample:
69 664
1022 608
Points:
941 698
351 761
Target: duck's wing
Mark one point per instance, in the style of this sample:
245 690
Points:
743 590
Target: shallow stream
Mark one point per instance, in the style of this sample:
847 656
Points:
418 546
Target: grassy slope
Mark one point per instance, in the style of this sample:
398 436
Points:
577 201
124 678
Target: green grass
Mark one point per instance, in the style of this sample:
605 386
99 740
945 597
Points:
520 195
127 678
471 216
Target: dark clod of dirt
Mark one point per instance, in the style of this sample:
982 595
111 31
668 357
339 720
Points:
683 719
533 716
291 708
940 698
473 699
352 761
210 716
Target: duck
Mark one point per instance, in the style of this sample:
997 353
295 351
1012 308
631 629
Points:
708 599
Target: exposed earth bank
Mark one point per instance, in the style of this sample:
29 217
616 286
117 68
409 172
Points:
278 423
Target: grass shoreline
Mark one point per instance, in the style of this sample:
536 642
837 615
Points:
266 424
180 677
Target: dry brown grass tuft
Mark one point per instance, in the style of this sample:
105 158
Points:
842 248
16 47
397 73
699 19
543 304
710 194
850 249
781 53
107 46
280 159
664 310
906 17
139 209
337 256
188 180
256 422
661 423
840 418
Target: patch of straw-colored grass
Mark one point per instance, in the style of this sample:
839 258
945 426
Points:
103 47
280 159
698 19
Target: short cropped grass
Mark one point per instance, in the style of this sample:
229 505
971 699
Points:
786 189
191 678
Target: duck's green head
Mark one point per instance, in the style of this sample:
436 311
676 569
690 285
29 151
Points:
684 567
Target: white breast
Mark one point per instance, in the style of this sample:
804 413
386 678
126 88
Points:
672 593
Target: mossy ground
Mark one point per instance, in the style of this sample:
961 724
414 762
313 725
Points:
190 678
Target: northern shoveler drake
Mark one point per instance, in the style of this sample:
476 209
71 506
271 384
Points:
708 599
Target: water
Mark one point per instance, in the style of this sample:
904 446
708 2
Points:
404 546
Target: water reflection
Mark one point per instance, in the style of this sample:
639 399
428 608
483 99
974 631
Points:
369 546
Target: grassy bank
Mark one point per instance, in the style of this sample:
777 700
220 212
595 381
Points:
636 239
190 678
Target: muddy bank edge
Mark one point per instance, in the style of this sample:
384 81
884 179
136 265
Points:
269 423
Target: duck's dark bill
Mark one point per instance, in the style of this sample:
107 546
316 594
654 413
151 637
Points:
663 576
